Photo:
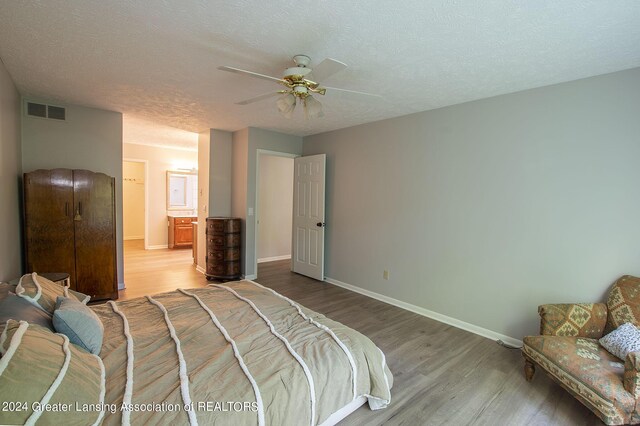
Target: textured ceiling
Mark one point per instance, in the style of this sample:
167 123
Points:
143 132
155 61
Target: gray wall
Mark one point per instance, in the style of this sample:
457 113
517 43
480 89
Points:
214 182
239 184
260 139
246 143
89 139
220 155
204 144
10 178
484 210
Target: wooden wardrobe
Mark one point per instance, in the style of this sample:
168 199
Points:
70 226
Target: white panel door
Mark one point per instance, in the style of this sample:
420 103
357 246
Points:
308 216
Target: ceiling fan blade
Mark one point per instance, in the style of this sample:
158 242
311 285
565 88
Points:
258 98
326 69
251 74
355 92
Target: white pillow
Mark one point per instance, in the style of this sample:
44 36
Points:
622 340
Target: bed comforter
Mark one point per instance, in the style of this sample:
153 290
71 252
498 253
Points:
237 353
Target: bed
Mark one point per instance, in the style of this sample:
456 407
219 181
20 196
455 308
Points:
237 353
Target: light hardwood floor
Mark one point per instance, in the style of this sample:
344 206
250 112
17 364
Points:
442 375
156 271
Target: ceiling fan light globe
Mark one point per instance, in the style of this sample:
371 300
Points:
286 102
313 107
289 113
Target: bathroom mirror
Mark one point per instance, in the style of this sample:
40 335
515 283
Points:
181 190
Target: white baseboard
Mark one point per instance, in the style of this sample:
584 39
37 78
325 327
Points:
249 277
158 247
133 238
489 334
201 270
121 286
274 258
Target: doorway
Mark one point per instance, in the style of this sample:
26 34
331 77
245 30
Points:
274 213
134 200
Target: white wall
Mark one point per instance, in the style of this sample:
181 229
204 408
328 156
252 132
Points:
10 179
484 210
160 160
133 183
89 139
275 206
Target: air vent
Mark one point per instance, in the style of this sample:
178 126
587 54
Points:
56 113
36 110
46 111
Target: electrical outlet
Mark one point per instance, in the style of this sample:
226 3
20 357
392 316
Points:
385 274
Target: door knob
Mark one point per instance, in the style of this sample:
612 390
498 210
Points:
320 224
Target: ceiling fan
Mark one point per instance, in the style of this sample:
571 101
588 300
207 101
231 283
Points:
299 84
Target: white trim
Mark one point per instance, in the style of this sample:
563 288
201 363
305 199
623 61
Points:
33 418
274 258
146 197
156 247
201 270
344 411
352 362
13 345
305 368
182 364
135 237
236 353
128 387
255 206
103 389
121 286
489 334
249 277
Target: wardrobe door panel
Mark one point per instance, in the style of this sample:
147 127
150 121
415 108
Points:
94 219
48 220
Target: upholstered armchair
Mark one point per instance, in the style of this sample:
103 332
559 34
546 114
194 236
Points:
569 352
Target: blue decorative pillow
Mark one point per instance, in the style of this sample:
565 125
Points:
622 340
79 323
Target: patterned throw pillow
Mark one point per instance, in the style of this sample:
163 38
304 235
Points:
43 292
623 303
622 340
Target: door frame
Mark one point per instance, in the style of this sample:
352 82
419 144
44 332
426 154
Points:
146 196
260 152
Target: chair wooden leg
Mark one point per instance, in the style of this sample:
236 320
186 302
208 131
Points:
529 369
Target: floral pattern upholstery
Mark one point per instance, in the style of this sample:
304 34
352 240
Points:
589 372
575 319
631 374
624 303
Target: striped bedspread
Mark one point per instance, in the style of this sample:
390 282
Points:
237 353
